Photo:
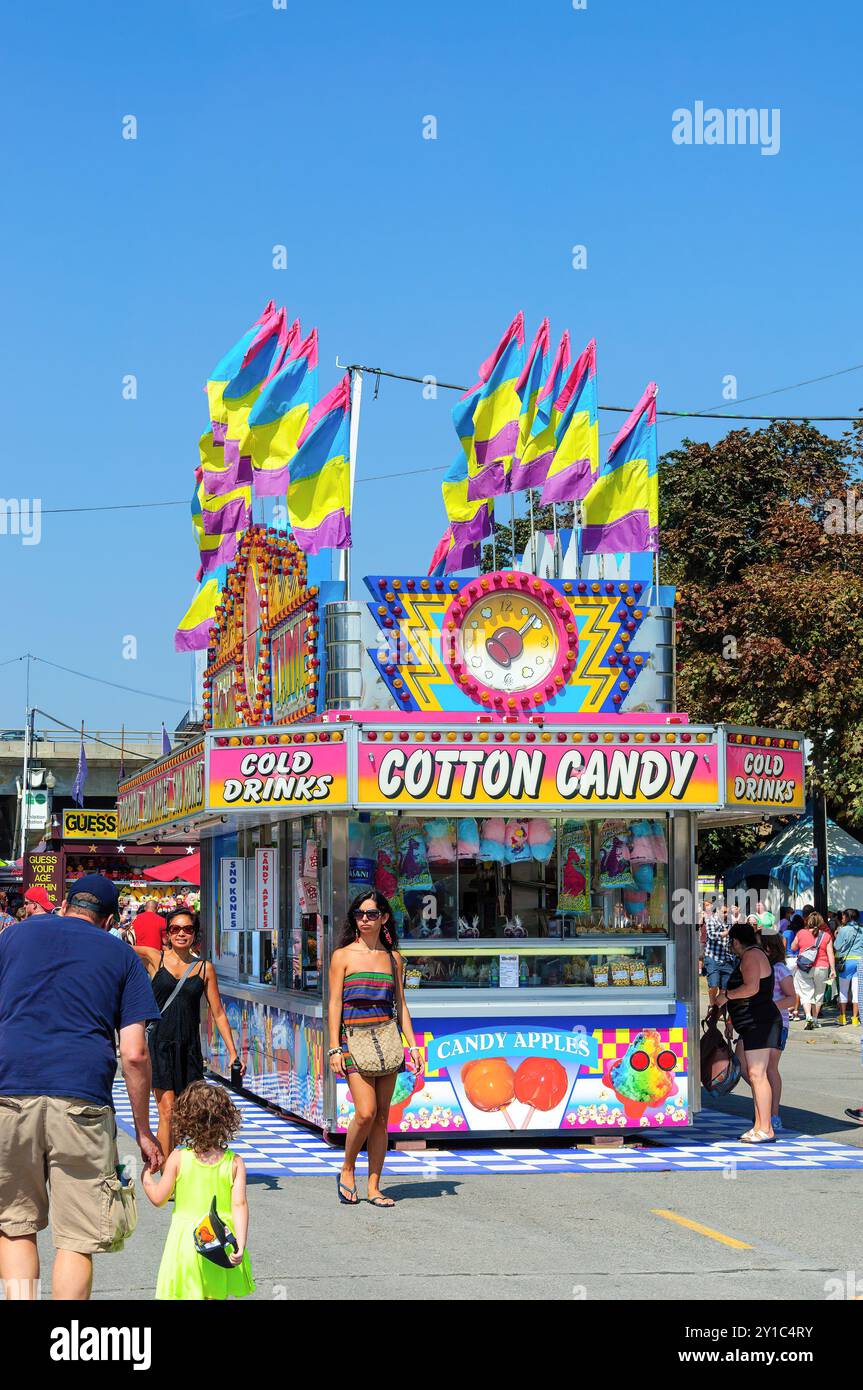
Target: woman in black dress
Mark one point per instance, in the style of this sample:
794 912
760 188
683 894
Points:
175 1040
757 1022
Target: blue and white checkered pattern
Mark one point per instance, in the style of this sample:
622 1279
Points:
279 1147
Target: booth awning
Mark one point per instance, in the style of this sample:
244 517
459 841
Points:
187 868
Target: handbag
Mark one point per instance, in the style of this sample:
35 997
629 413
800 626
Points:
120 1211
172 996
806 959
376 1048
720 1069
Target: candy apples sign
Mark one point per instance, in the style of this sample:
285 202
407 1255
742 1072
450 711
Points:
544 1076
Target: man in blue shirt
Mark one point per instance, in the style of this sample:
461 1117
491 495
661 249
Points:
67 986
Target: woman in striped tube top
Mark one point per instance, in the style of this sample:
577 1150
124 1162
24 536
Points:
367 987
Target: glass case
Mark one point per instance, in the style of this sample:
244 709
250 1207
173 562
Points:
512 878
627 964
273 939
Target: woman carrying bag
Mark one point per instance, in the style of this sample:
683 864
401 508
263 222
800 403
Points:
367 1017
849 953
180 979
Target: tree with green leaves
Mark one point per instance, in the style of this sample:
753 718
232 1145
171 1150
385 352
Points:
769 582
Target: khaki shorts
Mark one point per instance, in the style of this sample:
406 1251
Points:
69 1146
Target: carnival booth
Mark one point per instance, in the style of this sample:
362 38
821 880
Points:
511 776
93 843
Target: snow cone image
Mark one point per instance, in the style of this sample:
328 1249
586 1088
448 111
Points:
644 1076
407 1084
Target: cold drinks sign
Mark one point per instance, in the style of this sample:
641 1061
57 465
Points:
764 772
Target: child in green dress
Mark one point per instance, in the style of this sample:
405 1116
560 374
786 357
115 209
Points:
205 1120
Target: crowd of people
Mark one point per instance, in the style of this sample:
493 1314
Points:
768 975
81 988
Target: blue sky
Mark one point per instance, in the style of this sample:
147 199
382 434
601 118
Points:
304 127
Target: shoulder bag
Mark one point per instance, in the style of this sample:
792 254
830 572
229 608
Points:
377 1048
174 992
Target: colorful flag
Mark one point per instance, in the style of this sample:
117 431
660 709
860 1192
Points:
279 416
576 457
193 632
227 368
166 742
214 549
436 568
621 510
470 521
262 359
218 475
528 388
486 418
319 491
536 445
229 511
80 777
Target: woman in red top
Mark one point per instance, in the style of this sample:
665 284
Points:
811 984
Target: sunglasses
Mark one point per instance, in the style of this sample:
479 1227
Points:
190 931
372 916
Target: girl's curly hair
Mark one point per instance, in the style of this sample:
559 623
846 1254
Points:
205 1117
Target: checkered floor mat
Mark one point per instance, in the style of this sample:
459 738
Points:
272 1145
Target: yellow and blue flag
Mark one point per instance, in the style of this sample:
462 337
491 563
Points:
470 520
214 547
193 631
262 359
621 510
486 418
575 464
227 368
537 435
319 491
279 417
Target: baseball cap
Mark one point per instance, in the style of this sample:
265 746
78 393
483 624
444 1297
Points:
38 895
95 886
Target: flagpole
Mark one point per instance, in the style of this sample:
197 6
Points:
656 552
28 741
532 547
512 526
356 403
554 546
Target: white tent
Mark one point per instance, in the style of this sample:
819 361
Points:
786 867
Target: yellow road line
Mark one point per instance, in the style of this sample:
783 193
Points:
702 1230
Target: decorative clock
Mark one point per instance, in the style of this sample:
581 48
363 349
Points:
511 639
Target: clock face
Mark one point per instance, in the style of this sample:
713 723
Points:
509 642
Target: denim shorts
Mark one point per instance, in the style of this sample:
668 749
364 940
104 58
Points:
718 972
783 1038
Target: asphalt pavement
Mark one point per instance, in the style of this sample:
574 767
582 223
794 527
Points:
774 1235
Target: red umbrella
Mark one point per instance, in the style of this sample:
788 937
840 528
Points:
188 867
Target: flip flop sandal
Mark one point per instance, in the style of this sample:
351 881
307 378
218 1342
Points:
353 1200
385 1202
764 1140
